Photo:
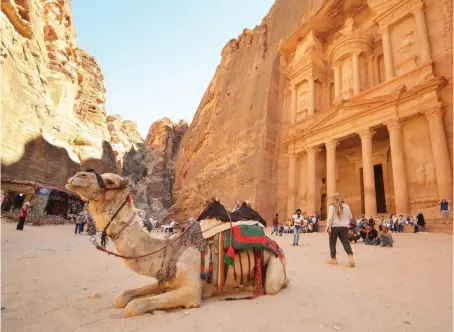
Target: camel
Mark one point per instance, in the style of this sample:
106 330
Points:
113 211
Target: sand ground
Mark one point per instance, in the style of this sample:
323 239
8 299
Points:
49 276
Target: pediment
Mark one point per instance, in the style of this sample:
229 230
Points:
345 112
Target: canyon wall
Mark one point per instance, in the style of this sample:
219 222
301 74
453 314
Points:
230 151
52 96
151 167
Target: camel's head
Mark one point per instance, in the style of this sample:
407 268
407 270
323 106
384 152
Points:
89 185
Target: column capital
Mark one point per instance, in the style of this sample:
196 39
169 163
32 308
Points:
366 133
384 28
393 125
417 9
332 143
291 155
355 52
313 151
434 111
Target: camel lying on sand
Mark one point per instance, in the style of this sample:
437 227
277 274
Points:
173 265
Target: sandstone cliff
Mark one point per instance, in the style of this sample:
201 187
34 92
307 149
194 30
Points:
231 148
124 136
52 96
151 166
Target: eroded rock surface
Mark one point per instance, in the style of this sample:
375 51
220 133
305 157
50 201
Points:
151 166
53 96
230 151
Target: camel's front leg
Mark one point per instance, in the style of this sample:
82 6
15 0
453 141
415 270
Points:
125 297
188 297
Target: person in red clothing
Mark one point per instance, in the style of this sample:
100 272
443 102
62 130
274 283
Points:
275 225
23 214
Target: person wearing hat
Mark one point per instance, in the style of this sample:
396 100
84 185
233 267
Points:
23 214
297 221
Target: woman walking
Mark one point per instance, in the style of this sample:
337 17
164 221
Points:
339 216
23 214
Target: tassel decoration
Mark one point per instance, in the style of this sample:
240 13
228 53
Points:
229 259
129 199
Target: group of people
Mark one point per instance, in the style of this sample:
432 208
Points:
307 224
80 220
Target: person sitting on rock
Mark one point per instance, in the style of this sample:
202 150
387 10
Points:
385 237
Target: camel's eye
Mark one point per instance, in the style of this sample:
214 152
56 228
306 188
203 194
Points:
109 182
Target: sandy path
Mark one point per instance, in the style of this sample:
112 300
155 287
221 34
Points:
48 276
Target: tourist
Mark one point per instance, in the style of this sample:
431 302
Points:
275 225
420 222
402 222
371 222
396 224
297 221
385 236
281 230
23 215
237 206
371 236
381 223
315 219
171 227
80 220
444 208
339 216
353 232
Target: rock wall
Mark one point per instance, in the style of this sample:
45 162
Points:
53 96
124 136
230 150
151 166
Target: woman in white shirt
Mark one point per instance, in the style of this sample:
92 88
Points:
297 221
339 216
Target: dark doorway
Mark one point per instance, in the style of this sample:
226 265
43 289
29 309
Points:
361 183
379 189
323 208
20 198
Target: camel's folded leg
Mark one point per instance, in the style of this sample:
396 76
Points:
276 278
125 297
188 297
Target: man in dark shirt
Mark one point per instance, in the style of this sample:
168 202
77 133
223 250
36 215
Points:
444 208
275 225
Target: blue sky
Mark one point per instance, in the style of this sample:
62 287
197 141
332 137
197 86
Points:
158 56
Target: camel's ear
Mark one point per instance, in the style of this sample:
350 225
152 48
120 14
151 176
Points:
124 183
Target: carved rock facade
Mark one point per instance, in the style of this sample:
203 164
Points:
313 72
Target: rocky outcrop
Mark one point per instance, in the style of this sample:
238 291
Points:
124 137
151 166
53 96
231 149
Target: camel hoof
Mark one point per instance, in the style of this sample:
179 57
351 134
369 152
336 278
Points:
135 308
122 300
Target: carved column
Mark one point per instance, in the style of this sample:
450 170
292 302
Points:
311 96
370 71
423 36
387 53
355 65
370 202
440 151
398 167
337 81
311 179
331 167
376 70
293 104
291 184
